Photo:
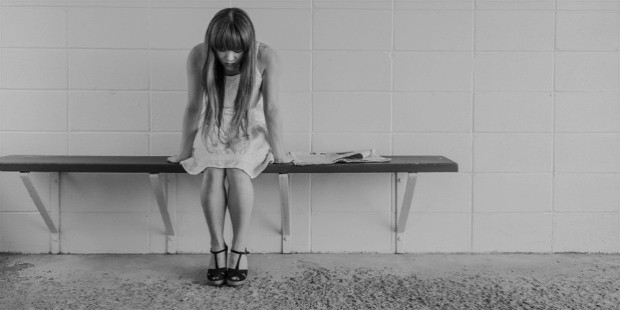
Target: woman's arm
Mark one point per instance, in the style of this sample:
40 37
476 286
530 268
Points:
191 116
271 79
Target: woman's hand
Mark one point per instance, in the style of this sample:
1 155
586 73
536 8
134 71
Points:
178 158
283 159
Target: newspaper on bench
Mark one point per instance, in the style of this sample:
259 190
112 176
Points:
364 156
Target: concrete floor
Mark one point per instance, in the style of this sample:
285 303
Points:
314 281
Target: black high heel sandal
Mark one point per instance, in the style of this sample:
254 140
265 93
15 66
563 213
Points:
236 277
217 276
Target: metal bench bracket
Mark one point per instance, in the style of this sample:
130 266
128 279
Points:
404 212
162 203
285 203
51 226
25 176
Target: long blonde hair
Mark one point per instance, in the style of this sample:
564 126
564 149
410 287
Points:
230 30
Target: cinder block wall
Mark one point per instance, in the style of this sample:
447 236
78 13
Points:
524 95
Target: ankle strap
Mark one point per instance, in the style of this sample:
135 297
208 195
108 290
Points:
239 258
240 253
220 251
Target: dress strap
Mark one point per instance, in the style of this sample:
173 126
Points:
257 49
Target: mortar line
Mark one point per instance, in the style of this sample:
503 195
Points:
553 135
67 52
473 132
394 179
618 102
148 144
310 211
67 131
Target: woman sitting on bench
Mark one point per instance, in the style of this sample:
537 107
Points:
233 91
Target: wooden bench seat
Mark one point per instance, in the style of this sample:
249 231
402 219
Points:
156 165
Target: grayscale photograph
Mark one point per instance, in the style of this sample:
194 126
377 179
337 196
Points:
310 154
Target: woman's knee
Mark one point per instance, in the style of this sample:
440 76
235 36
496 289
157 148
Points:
235 175
213 178
214 174
212 185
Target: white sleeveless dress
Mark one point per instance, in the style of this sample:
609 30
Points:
249 153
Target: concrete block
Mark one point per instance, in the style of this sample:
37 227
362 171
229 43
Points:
351 193
514 192
296 35
433 5
272 4
513 30
33 110
513 152
341 29
512 232
296 71
167 24
495 5
15 197
193 236
99 27
587 31
157 234
265 233
342 71
353 4
168 70
113 70
356 232
105 192
104 232
585 5
586 233
432 112
192 4
24 233
438 232
164 144
432 71
46 143
587 152
34 27
119 144
351 111
585 192
586 71
513 112
296 110
338 142
433 30
514 71
587 112
267 193
34 69
167 111
107 3
108 111
438 193
188 193
297 142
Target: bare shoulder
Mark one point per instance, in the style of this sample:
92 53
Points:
267 57
198 54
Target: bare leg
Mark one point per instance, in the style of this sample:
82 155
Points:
240 204
213 199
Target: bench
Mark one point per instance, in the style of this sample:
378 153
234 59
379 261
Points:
157 165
